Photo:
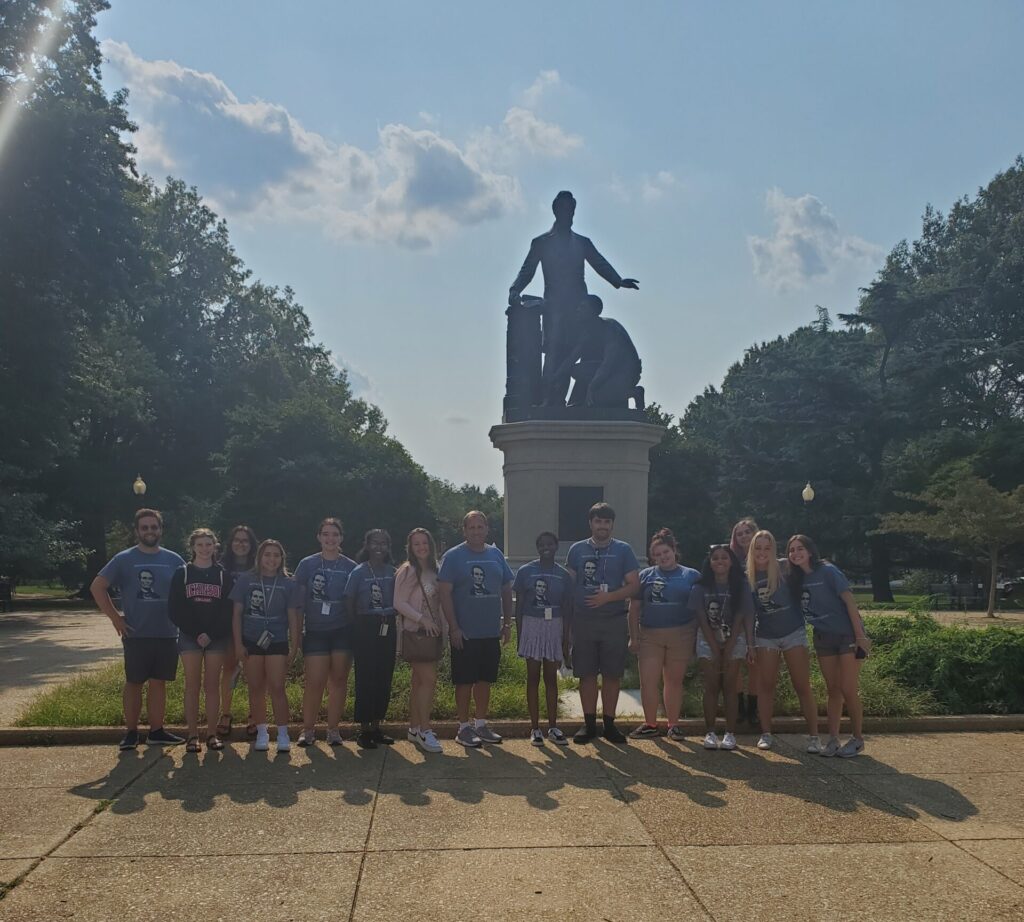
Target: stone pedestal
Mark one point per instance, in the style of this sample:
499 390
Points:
555 469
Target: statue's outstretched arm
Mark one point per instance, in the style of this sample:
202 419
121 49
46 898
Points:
604 268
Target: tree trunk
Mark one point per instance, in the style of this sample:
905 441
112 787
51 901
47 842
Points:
880 589
94 537
993 554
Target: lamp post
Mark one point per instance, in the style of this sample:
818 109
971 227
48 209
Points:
139 486
806 494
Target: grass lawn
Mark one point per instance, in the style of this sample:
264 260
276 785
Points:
94 699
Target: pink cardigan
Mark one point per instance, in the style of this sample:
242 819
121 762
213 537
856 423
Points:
410 604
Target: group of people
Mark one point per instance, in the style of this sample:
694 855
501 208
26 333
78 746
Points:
241 608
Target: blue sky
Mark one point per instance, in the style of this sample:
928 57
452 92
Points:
391 162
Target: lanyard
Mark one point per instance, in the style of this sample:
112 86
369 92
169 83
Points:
376 582
268 597
323 570
601 561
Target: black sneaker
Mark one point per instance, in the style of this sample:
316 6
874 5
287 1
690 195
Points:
160 737
584 735
130 741
365 740
645 732
613 734
382 739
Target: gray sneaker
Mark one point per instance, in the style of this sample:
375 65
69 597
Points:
851 748
830 748
487 735
676 733
467 736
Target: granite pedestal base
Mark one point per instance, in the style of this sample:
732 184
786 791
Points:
555 469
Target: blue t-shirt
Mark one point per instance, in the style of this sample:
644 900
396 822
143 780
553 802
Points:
776 614
725 614
145 582
264 601
665 596
373 590
543 589
320 591
595 566
477 579
820 601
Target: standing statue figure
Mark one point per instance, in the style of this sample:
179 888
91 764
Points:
561 254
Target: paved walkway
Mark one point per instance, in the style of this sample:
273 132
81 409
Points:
43 648
920 828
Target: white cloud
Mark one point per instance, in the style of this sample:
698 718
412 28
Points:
647 188
537 136
806 243
545 80
254 159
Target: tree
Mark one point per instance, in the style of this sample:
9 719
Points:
968 512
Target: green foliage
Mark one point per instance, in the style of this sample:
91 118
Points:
450 504
93 699
920 582
967 671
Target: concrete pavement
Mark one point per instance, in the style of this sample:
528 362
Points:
921 827
39 649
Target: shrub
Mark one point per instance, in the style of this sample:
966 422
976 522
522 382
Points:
968 671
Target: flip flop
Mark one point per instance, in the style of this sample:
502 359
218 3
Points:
214 742
193 744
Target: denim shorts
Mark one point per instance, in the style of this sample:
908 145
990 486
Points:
277 648
188 644
704 650
797 638
831 643
323 643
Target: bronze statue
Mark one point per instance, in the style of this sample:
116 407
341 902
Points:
561 253
604 363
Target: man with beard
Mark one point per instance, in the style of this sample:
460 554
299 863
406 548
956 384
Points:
143 575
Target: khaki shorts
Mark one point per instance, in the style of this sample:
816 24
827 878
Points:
666 645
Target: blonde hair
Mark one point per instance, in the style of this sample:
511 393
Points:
774 574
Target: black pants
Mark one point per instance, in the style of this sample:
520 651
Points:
375 666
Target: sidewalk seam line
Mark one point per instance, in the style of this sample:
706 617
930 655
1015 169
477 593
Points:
369 831
943 837
77 828
661 850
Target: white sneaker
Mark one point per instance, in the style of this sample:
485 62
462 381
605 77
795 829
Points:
814 746
284 743
711 741
765 742
413 736
537 737
334 737
428 742
557 737
729 741
262 743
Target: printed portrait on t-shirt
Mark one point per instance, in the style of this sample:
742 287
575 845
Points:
658 592
540 593
376 596
714 610
805 601
590 574
257 602
764 596
319 586
146 589
479 587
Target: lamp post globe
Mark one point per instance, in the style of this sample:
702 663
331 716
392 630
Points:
807 494
139 486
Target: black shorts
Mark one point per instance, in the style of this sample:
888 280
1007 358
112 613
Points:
275 649
148 658
317 643
477 661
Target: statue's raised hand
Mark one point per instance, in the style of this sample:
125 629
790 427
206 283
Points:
630 283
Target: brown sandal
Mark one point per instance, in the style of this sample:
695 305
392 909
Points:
193 744
224 727
250 731
214 743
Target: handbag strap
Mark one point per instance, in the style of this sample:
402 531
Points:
426 600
